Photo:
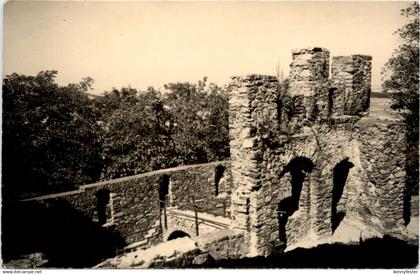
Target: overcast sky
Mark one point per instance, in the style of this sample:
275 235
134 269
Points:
152 43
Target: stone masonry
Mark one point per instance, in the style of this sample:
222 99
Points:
333 166
309 82
132 211
351 80
252 106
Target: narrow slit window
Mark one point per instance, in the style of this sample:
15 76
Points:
218 175
103 202
164 191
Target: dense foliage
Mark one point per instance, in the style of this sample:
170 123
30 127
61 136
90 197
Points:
51 140
402 69
199 121
56 138
136 137
402 79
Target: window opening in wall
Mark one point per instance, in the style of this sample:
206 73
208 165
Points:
218 175
178 234
164 191
331 92
298 168
103 199
340 175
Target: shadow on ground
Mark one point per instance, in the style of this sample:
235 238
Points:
64 235
374 253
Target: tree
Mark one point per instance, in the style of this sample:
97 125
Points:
402 79
55 138
145 130
216 130
115 99
136 133
402 69
50 135
199 114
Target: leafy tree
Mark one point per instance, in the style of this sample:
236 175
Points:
402 73
402 69
146 131
217 124
50 135
199 125
136 133
56 138
115 99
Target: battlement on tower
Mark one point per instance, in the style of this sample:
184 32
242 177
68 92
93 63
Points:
317 95
305 159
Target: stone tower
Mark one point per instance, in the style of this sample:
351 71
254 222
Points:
351 82
309 83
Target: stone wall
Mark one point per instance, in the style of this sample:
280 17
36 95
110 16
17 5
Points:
207 189
351 83
338 183
330 169
383 156
184 252
309 83
134 206
298 184
224 244
184 221
130 206
252 116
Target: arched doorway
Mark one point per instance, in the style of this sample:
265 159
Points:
298 168
340 175
178 234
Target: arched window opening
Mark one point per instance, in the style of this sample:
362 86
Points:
298 168
340 175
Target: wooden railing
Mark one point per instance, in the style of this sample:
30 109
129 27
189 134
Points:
197 220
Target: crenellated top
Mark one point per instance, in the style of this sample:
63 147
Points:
309 50
315 95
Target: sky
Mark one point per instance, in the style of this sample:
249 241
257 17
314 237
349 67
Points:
142 44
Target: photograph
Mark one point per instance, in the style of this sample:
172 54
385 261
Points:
206 135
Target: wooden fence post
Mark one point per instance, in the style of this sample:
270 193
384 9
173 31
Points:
196 221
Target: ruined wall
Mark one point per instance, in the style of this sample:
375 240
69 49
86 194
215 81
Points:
351 83
383 156
280 188
184 220
133 211
298 188
206 188
308 83
224 244
329 196
252 114
348 172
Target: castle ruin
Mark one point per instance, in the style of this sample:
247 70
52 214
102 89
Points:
333 164
305 164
